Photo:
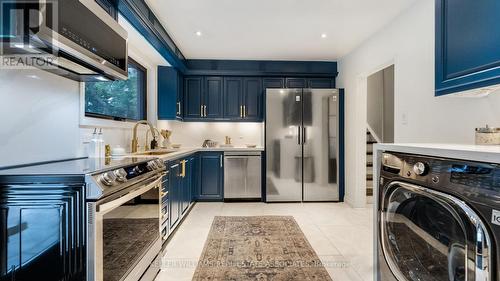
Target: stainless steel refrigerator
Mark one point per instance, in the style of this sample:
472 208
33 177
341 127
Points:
304 145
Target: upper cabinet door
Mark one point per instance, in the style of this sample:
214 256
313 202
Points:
296 83
193 89
467 45
179 110
321 83
273 83
253 99
233 97
213 97
168 87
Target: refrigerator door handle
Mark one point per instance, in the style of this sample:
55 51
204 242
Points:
304 137
298 135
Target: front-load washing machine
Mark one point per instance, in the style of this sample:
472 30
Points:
438 219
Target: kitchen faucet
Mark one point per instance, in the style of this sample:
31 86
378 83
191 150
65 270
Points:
135 140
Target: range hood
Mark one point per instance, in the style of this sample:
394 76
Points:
76 39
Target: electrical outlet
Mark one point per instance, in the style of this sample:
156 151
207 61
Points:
404 119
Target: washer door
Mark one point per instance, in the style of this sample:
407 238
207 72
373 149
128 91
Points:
432 236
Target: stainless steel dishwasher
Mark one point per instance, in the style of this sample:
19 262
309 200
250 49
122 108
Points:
242 175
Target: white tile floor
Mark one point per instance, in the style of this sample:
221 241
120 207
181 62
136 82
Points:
341 236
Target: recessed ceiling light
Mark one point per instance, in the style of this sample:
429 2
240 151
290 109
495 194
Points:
198 33
323 35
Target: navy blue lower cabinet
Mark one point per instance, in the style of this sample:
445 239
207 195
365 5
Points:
175 194
467 45
194 175
187 181
43 232
253 99
211 175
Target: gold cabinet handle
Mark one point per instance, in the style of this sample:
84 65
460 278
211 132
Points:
244 111
205 110
201 110
241 111
183 168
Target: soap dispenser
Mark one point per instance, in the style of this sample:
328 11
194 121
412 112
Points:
94 145
101 145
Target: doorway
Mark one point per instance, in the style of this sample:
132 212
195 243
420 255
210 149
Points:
380 117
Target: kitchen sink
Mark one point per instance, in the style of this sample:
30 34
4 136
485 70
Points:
158 152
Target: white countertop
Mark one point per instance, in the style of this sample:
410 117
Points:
482 153
189 150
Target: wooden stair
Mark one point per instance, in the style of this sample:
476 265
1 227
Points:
370 140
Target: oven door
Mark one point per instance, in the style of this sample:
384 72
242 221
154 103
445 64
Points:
124 232
432 236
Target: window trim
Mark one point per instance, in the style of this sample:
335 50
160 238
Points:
143 99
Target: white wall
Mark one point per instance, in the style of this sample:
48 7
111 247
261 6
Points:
191 134
40 112
408 42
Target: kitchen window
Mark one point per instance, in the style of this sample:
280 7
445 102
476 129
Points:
122 100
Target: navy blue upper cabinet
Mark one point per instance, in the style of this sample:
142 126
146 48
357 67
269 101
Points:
252 98
467 45
211 177
273 83
212 98
169 93
233 98
321 83
296 82
110 7
193 91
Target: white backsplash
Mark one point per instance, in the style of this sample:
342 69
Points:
194 133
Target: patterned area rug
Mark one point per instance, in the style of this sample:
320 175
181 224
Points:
268 248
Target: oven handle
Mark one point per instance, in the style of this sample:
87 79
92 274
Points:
106 207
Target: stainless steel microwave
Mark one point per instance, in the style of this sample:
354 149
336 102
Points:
85 43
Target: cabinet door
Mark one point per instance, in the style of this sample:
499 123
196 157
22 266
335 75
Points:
168 88
179 110
175 193
186 185
252 99
467 45
211 176
193 90
212 98
110 7
320 83
194 174
273 83
233 93
43 232
296 83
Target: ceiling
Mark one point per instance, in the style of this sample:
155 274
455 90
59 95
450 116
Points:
273 29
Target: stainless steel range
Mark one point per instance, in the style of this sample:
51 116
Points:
123 221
